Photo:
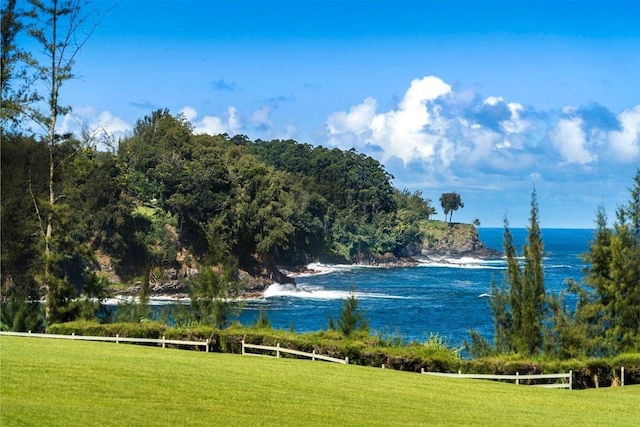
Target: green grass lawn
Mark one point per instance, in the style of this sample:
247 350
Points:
70 383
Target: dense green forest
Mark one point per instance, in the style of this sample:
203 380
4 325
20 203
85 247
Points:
164 198
167 198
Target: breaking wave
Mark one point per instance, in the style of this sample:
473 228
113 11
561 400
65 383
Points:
317 268
155 300
464 262
319 293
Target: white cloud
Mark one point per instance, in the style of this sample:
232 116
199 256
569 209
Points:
94 127
570 140
625 143
210 125
290 132
213 125
459 136
108 124
412 131
356 121
234 122
189 113
431 126
515 124
426 89
260 118
493 100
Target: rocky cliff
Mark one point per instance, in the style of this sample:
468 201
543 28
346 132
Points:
442 238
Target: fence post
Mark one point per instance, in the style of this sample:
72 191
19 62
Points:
383 366
243 347
571 379
422 370
278 350
313 355
517 379
207 346
117 336
622 376
73 335
346 360
163 344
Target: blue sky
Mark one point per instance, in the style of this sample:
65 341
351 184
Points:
485 98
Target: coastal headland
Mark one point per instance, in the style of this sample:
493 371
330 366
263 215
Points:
440 239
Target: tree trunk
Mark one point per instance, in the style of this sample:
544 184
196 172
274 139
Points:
53 116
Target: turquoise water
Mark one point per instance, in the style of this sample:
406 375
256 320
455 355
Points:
446 297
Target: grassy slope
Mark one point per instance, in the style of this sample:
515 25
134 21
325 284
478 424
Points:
440 231
50 382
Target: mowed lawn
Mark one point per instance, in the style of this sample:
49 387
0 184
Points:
47 382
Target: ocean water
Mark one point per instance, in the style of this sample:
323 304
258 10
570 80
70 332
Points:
446 296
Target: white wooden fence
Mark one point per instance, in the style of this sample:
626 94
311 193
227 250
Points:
517 378
278 350
117 339
567 378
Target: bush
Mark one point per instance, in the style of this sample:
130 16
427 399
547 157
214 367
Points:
92 328
367 350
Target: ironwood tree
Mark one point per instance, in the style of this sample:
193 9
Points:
60 28
608 309
519 305
16 77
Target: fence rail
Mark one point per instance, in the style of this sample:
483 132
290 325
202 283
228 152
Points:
117 339
517 378
567 378
278 350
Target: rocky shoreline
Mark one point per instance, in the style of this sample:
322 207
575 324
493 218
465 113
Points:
256 285
446 241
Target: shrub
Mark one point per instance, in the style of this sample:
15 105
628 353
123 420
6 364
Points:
367 350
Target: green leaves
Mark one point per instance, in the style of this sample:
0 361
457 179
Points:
450 202
351 319
610 305
518 304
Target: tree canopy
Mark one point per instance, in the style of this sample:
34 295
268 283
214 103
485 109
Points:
605 319
450 202
170 199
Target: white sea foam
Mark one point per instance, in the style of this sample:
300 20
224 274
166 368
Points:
319 268
318 293
157 300
464 262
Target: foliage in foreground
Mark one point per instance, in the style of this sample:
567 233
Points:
606 318
368 350
61 381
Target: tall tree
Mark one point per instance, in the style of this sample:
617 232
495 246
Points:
518 306
58 28
533 292
21 158
450 202
15 78
214 289
610 304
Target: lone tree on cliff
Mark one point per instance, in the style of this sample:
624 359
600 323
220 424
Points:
450 202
